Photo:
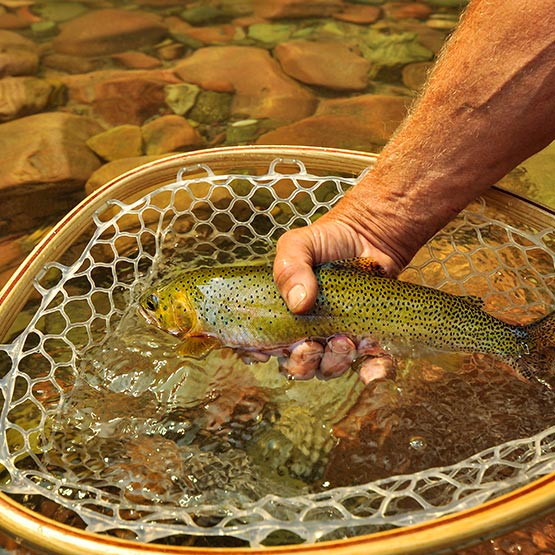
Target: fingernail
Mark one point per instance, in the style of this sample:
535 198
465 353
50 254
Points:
296 295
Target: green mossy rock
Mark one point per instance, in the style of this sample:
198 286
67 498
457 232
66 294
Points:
211 107
393 50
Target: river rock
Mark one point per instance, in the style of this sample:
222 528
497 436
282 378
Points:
70 64
111 170
22 96
327 64
59 11
108 31
364 122
355 13
18 55
181 97
214 34
211 107
170 134
12 21
404 10
47 148
261 88
278 9
137 60
118 96
123 141
415 75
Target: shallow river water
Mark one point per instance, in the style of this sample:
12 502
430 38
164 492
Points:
90 89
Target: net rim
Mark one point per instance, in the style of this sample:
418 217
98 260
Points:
486 519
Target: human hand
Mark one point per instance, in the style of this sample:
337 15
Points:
342 233
309 359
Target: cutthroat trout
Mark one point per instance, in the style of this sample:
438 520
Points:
240 307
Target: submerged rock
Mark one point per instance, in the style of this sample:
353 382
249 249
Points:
211 107
70 64
137 60
59 11
169 134
44 166
108 31
123 141
270 34
120 97
388 50
404 10
22 96
327 64
214 34
113 169
47 148
277 9
355 13
181 97
12 21
261 88
415 75
362 123
18 55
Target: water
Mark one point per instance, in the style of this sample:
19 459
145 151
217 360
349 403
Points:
149 419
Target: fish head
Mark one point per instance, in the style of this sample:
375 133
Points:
169 311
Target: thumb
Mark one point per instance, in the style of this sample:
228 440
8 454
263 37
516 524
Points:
293 271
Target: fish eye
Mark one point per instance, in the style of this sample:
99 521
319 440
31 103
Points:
151 302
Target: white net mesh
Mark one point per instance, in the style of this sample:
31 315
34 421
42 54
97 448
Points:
74 376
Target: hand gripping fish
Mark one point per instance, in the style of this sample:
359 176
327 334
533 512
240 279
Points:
240 307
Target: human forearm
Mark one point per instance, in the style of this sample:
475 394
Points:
489 104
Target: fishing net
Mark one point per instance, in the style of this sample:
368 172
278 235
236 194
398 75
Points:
84 299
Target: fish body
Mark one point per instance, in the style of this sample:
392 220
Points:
240 307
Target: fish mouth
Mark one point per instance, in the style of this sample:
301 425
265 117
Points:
153 321
146 315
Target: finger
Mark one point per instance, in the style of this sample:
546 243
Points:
338 356
303 361
375 368
293 272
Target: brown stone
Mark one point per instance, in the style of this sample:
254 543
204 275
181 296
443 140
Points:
432 39
176 25
47 148
120 97
362 123
213 34
356 13
403 10
22 96
107 31
261 88
137 60
113 169
169 134
327 64
171 51
18 55
277 9
415 75
12 21
123 141
70 64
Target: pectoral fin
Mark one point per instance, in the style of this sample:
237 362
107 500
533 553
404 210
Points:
198 346
367 265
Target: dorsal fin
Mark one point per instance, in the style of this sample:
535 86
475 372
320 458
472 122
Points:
363 264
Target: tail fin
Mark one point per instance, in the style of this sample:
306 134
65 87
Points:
539 363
